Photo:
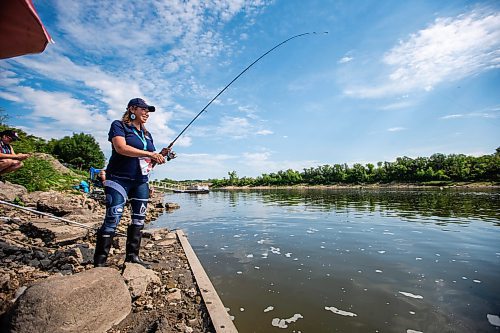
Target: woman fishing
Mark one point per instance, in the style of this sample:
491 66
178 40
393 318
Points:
132 157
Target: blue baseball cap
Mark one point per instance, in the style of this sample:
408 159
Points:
141 103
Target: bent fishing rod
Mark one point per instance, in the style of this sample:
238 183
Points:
76 224
166 150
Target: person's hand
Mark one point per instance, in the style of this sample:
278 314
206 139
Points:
158 158
168 153
22 157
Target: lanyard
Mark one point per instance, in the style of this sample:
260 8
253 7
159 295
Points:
5 148
142 138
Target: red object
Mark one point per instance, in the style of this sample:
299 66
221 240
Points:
21 30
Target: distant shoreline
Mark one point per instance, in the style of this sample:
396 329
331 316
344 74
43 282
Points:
477 185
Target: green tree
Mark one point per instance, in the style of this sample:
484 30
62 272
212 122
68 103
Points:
80 150
233 178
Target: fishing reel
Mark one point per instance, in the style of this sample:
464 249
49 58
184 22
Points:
170 155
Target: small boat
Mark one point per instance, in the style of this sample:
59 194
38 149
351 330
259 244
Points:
194 189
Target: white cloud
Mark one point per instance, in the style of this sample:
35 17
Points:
397 105
396 129
254 164
452 116
235 127
345 59
264 132
447 50
471 115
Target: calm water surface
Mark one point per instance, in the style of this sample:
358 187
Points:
349 260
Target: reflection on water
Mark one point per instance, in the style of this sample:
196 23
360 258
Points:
409 204
349 261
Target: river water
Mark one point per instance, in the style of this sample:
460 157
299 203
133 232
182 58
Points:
349 260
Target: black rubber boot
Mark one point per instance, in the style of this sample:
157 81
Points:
102 246
134 236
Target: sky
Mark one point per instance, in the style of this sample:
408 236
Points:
391 78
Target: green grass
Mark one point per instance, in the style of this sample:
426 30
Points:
39 175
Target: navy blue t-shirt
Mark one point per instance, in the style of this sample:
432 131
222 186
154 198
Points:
123 166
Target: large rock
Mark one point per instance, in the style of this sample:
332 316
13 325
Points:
53 231
91 301
57 203
9 191
138 278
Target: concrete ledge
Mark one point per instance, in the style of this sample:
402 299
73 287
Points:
218 314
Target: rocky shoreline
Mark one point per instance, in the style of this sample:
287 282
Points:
39 254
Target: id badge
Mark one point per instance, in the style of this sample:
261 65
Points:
146 165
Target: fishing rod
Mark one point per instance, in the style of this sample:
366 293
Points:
76 224
166 150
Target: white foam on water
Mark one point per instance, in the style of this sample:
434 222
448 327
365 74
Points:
322 247
237 236
250 255
476 281
388 233
493 319
410 295
464 278
340 312
264 255
269 308
275 250
261 241
239 272
412 312
378 271
283 323
413 331
256 267
418 258
242 309
295 259
288 254
381 252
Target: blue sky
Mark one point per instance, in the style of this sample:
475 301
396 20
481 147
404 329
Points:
391 78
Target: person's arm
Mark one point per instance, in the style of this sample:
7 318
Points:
122 148
14 156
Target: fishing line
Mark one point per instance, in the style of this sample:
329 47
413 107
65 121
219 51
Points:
236 78
76 224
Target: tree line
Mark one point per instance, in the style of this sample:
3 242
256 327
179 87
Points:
436 169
